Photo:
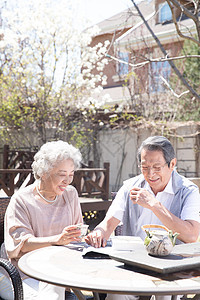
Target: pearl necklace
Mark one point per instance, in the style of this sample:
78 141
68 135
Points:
50 201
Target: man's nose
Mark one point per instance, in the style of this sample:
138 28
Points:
151 171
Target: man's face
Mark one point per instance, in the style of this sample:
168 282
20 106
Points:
155 169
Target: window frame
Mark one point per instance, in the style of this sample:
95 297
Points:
121 68
157 69
165 13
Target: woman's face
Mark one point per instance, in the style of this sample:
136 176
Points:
56 181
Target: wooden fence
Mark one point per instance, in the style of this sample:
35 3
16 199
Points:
91 183
17 159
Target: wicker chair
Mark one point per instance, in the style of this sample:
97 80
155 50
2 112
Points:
4 201
9 269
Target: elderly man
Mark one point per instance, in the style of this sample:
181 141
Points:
157 196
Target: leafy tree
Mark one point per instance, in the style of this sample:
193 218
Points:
192 65
189 108
46 73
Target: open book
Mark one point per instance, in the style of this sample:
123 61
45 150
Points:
122 243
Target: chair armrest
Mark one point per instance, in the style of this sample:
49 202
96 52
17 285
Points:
15 278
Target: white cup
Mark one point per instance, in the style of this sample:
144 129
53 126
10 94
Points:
83 228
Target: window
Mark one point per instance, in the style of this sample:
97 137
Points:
122 69
165 13
158 70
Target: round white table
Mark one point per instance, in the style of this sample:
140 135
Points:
66 267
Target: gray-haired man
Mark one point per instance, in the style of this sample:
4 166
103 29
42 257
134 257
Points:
159 195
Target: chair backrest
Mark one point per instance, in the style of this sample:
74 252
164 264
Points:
113 195
11 283
13 274
4 201
118 229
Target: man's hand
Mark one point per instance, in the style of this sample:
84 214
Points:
142 197
99 236
96 238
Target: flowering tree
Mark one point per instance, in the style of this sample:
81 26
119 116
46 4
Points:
46 71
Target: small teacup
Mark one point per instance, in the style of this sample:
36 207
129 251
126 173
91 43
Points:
83 228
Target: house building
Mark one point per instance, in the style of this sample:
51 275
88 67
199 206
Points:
137 77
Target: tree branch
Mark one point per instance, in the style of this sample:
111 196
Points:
167 84
183 9
149 60
177 27
193 92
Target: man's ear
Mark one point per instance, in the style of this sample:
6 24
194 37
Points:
173 163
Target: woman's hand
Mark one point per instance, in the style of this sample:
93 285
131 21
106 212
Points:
69 234
96 238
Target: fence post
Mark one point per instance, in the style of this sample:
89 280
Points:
12 184
91 164
5 156
106 181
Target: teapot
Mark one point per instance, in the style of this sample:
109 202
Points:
159 242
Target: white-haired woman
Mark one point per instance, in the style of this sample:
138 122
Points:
45 213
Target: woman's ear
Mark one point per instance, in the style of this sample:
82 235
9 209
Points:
43 177
173 163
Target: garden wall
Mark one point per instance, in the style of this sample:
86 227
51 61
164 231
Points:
119 147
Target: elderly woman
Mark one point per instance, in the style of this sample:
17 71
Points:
45 213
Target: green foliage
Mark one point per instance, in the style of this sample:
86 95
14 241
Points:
34 108
192 65
42 91
188 106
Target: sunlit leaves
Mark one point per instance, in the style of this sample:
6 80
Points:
46 70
